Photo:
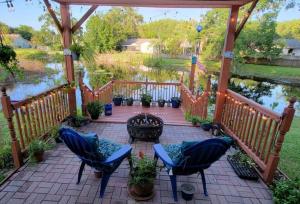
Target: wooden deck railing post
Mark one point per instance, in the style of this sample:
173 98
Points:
82 92
8 113
226 63
287 118
192 74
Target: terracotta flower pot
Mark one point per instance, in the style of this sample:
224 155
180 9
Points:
98 174
143 190
39 156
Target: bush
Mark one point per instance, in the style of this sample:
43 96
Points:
6 160
35 147
146 98
287 191
144 170
95 109
54 132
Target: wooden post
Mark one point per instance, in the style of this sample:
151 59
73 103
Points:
8 113
82 92
67 41
226 62
192 73
287 118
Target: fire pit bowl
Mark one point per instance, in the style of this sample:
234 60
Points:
145 126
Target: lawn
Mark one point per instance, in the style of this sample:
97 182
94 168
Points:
4 133
289 157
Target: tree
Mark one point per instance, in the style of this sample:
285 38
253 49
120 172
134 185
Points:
25 31
105 32
289 29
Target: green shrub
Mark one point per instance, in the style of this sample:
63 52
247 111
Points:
95 109
144 170
195 120
6 160
36 146
54 132
146 97
287 191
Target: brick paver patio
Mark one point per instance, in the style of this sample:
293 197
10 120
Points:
54 180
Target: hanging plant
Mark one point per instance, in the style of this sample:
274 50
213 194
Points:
76 50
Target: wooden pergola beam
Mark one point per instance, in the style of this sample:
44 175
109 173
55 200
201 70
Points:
245 19
52 13
160 3
83 18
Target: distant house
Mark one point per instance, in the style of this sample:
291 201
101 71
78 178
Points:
17 41
291 48
139 44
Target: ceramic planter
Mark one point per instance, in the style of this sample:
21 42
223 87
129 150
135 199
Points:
118 101
206 126
187 191
108 109
161 103
129 101
39 156
175 102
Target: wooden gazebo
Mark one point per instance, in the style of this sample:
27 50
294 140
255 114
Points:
259 132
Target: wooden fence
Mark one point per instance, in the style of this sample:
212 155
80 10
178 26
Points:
258 131
195 105
34 117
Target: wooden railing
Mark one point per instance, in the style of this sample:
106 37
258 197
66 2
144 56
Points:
157 90
258 131
34 117
194 105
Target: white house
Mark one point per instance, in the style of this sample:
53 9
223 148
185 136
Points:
139 44
291 48
17 41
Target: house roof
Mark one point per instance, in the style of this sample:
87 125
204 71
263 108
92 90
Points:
160 3
135 41
292 43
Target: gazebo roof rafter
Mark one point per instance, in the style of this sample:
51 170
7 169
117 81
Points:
160 3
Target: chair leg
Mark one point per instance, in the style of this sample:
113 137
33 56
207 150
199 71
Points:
155 159
130 162
174 187
104 182
203 182
81 168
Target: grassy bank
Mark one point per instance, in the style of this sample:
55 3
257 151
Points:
39 55
289 156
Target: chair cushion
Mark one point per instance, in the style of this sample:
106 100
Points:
174 152
107 148
186 145
227 139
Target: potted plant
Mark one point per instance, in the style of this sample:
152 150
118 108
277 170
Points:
142 176
195 120
118 99
129 101
76 50
206 125
36 150
54 133
175 102
146 99
95 109
161 102
77 121
187 191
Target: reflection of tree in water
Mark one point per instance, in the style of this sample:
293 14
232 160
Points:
159 75
250 89
103 74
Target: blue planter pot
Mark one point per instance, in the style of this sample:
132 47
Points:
118 101
175 103
108 109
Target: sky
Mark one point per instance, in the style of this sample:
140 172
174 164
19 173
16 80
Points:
28 13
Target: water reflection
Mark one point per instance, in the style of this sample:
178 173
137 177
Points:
273 96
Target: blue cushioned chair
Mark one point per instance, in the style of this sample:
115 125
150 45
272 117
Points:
87 148
194 158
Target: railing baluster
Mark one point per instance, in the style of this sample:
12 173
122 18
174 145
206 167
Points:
20 129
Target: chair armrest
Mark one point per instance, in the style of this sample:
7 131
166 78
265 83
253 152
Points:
120 154
163 155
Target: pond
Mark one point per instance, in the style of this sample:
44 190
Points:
270 95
